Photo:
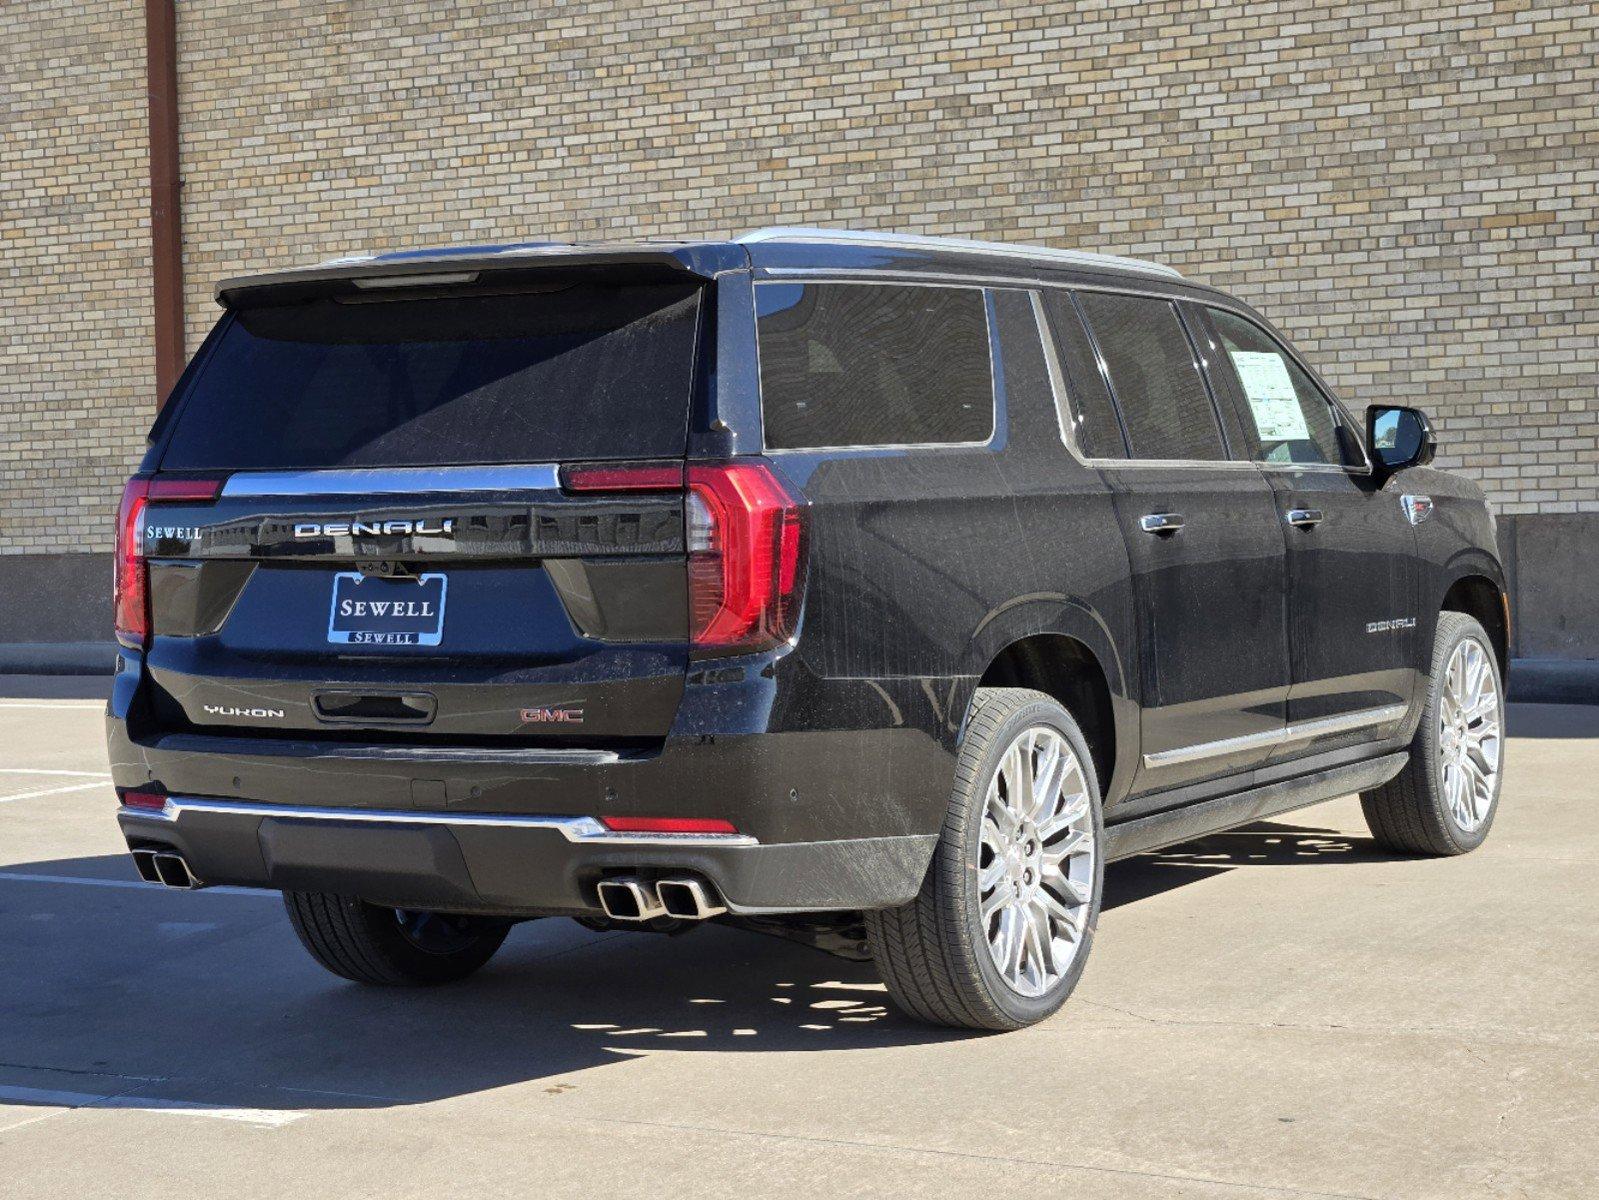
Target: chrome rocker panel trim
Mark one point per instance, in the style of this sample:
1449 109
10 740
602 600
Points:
1303 731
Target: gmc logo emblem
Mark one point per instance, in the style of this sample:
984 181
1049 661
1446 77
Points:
552 716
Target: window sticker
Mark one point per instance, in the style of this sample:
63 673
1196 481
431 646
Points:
1271 394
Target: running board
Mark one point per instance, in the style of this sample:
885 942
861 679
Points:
1158 830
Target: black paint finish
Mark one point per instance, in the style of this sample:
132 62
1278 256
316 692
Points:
925 567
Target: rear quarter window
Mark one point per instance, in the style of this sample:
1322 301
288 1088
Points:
845 364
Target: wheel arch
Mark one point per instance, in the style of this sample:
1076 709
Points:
1484 599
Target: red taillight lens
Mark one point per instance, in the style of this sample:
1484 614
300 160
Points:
622 477
131 589
132 608
746 541
667 825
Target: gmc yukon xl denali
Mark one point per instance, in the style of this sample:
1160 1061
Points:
869 590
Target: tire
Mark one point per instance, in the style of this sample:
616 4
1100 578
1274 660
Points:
1421 810
388 946
934 952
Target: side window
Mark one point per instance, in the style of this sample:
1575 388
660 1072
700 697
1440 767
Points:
849 364
1086 407
1289 419
1164 403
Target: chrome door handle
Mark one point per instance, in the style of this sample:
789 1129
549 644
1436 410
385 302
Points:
1304 518
1161 523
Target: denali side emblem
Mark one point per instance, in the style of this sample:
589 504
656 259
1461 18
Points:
552 716
312 529
1390 626
260 714
1417 508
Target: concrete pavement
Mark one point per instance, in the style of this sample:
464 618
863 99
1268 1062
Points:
1280 1011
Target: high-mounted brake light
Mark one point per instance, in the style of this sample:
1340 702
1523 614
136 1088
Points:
131 592
746 543
700 825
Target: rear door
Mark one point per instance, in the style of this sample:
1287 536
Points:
1202 539
1352 568
404 541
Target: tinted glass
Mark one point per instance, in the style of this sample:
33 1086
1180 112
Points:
846 364
1289 419
1164 404
582 372
1090 414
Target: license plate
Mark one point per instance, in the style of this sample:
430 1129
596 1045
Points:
373 611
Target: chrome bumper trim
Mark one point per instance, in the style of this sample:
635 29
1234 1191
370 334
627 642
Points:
1301 732
406 481
573 829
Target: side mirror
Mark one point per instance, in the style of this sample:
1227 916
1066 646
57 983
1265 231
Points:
1399 437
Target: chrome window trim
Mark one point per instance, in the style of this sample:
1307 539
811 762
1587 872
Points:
399 481
993 378
1300 732
573 829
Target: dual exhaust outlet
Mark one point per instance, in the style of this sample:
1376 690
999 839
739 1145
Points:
165 867
629 898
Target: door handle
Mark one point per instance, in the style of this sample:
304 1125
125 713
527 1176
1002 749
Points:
1161 523
1304 518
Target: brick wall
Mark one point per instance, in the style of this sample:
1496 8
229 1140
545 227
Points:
1409 189
75 325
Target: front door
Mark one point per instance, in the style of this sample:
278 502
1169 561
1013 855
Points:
1353 585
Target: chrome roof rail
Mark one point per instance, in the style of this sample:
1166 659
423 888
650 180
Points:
916 241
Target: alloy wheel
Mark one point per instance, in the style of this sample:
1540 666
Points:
1036 861
1469 717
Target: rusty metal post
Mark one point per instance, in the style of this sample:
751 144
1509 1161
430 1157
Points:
166 224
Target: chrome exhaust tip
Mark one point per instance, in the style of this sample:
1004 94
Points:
691 898
144 863
627 898
171 870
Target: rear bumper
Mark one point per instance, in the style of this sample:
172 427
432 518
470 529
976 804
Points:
511 864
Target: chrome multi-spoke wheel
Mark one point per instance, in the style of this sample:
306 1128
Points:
1036 861
1468 734
1443 799
999 933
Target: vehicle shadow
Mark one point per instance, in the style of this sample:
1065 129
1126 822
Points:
210 990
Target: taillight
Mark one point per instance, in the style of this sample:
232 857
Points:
622 477
132 590
746 543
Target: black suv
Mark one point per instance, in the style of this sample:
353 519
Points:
869 590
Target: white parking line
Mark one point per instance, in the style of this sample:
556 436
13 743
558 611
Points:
24 877
51 771
185 1108
100 707
55 791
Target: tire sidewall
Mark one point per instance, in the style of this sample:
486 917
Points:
1015 1008
1454 629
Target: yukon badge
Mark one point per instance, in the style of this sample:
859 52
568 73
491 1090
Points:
233 710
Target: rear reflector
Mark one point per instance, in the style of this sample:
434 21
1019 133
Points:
138 799
622 477
667 825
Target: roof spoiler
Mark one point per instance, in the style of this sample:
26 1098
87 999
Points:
496 266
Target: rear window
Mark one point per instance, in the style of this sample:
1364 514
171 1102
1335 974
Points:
845 364
580 372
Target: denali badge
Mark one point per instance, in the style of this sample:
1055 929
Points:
312 529
229 710
1390 626
552 716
